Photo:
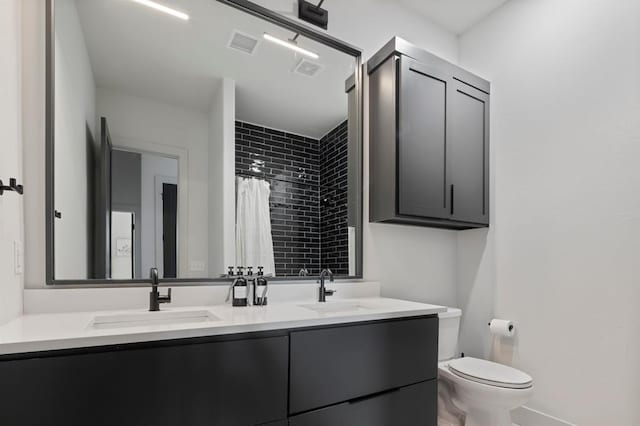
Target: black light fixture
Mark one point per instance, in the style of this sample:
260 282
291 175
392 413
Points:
313 14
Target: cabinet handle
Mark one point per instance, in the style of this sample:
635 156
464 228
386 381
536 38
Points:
451 195
373 396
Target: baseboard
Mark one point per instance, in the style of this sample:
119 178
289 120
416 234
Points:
525 416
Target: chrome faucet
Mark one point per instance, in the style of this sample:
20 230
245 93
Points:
155 299
323 292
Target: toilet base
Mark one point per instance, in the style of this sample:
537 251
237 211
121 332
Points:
477 417
448 413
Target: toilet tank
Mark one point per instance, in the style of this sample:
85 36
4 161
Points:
448 328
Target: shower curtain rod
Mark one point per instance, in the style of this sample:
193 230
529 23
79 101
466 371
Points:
263 176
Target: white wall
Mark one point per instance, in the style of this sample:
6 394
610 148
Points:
143 125
33 136
561 258
222 179
75 111
10 158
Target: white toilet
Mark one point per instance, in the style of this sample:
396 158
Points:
471 391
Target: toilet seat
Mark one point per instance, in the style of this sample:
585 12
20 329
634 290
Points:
490 373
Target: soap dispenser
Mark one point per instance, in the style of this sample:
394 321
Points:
251 286
260 289
239 289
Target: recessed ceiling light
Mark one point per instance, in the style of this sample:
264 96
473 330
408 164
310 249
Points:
162 8
291 46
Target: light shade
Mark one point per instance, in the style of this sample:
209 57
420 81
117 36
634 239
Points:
162 8
291 46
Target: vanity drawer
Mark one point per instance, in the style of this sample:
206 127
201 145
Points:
235 382
338 364
409 406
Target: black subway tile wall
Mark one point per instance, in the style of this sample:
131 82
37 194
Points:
334 239
292 163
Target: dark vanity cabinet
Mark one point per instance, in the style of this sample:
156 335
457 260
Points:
413 405
221 382
428 140
379 373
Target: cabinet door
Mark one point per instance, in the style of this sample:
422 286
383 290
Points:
468 152
411 406
422 134
240 382
332 365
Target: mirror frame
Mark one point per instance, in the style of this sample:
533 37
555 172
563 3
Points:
244 6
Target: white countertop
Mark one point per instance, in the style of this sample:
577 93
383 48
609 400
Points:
43 332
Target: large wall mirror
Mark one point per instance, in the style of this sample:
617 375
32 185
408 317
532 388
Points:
218 134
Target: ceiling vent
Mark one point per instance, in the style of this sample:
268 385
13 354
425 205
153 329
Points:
242 42
307 68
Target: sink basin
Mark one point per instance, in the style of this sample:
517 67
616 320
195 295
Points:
332 307
152 318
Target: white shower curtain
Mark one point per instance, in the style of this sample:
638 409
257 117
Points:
254 245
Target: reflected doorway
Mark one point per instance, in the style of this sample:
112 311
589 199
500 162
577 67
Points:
167 226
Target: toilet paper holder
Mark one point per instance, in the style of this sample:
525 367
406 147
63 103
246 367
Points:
510 326
502 327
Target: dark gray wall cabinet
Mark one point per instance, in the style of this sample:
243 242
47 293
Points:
379 373
428 140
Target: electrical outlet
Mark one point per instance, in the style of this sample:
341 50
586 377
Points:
196 266
18 258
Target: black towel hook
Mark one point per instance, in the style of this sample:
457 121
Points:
13 186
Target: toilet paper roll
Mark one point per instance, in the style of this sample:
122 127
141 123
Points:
501 327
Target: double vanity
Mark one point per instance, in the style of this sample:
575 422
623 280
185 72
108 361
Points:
353 361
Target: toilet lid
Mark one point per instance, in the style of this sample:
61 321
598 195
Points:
490 373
